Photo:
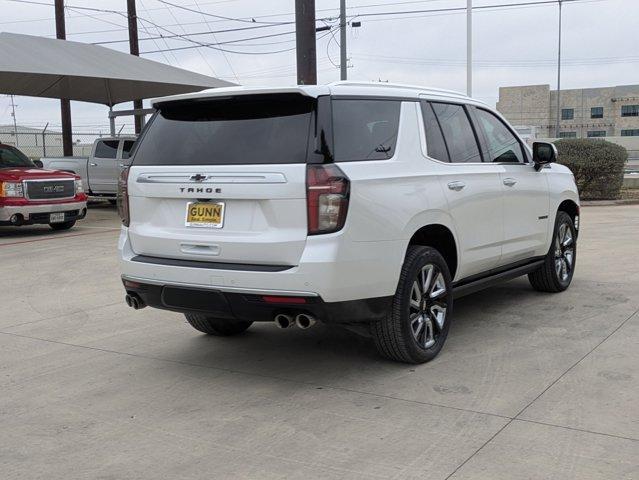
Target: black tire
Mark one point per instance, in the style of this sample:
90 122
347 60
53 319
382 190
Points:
557 271
216 326
396 337
63 225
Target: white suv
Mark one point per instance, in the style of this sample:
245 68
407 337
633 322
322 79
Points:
368 205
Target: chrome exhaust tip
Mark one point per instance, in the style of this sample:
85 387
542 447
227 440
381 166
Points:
304 321
284 321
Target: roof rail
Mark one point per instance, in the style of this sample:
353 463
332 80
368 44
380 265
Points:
397 85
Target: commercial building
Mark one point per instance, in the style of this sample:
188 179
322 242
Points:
584 113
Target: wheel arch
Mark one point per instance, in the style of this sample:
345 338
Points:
441 238
570 207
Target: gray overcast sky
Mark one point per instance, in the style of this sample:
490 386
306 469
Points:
516 46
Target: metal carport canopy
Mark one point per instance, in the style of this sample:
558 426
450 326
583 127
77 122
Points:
50 68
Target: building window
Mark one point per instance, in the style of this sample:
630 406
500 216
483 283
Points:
567 113
633 132
630 110
596 112
596 133
567 134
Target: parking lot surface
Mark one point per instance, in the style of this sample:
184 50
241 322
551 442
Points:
528 386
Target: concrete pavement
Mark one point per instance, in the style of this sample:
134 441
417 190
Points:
528 386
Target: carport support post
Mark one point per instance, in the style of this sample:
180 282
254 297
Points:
134 49
305 42
111 122
65 105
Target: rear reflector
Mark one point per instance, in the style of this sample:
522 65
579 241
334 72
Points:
273 299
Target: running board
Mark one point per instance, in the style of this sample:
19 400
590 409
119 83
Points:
466 287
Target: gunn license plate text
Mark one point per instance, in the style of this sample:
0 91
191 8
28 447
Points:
205 214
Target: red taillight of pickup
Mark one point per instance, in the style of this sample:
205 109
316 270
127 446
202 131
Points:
123 196
327 193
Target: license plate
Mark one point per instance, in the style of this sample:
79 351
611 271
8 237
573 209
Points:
56 217
205 214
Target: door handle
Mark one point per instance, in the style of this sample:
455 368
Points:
457 186
509 182
93 164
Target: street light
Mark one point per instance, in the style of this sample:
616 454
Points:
558 75
469 48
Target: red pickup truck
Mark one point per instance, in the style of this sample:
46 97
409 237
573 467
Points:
29 195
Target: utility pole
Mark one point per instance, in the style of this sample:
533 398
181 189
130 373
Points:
134 49
15 123
342 41
65 105
305 42
557 125
469 48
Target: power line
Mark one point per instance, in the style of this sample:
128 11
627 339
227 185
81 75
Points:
221 17
178 37
463 9
156 43
495 63
184 31
212 45
120 12
228 62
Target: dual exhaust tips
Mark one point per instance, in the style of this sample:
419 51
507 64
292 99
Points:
302 320
134 301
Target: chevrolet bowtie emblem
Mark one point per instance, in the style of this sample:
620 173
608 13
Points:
199 177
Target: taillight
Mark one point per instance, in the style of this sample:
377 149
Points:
327 190
123 196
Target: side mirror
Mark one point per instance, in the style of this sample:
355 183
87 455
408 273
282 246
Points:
544 153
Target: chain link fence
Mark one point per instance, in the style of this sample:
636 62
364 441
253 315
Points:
41 143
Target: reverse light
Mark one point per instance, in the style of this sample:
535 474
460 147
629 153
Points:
11 189
123 196
327 192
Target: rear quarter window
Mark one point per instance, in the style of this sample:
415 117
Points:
365 129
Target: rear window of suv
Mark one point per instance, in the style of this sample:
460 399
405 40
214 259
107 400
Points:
255 129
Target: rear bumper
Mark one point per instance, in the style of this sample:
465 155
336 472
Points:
39 213
330 268
350 281
236 306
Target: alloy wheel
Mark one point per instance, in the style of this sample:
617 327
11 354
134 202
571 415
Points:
428 306
564 252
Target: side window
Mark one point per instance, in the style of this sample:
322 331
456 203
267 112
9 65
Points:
435 144
365 129
126 148
106 149
458 132
503 146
